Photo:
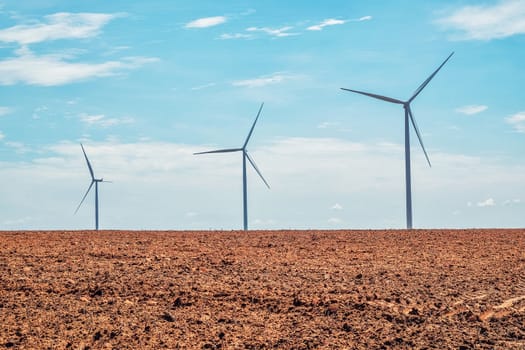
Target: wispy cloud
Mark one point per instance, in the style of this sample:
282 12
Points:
206 22
337 206
326 23
334 221
1 136
228 36
57 26
102 121
250 33
486 22
286 31
19 147
487 203
364 18
333 22
262 81
19 221
204 86
248 12
517 121
5 111
278 32
327 125
471 109
515 201
38 111
52 70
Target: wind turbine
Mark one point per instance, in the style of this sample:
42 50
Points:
245 156
93 181
408 116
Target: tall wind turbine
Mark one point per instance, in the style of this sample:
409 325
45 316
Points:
245 156
408 116
93 181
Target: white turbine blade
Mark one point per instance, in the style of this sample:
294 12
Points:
88 164
418 133
226 150
83 198
253 126
379 97
422 86
256 169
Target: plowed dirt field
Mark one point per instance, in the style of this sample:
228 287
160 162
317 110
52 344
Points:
435 289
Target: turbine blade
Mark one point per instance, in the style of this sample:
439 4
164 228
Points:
379 97
418 133
88 163
226 150
422 86
253 126
83 198
255 167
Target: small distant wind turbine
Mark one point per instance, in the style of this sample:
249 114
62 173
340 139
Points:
93 181
245 156
408 115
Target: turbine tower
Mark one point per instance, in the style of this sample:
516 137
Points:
93 181
245 156
409 117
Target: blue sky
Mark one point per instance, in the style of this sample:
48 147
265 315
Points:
145 84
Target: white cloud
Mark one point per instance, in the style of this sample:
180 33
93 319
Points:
333 22
326 23
235 36
1 136
334 221
486 22
327 125
5 111
52 70
305 175
487 203
206 22
471 109
19 147
18 221
57 26
515 201
263 223
262 81
337 206
101 120
200 87
517 121
38 111
279 32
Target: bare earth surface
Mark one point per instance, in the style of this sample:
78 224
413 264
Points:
436 289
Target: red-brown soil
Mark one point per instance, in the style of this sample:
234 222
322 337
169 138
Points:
436 289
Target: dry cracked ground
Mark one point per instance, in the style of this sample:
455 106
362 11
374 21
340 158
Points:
435 289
